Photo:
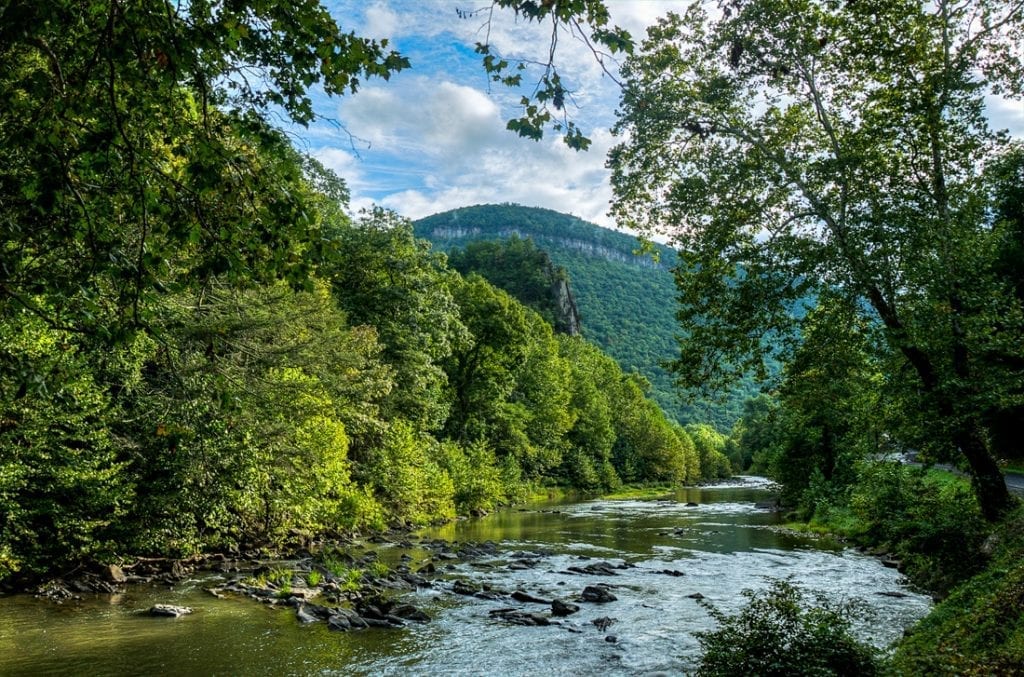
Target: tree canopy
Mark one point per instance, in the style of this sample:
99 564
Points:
788 144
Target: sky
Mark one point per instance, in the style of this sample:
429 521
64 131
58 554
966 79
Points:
433 137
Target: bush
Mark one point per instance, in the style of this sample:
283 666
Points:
775 634
979 628
930 520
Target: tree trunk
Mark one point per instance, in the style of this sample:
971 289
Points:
989 485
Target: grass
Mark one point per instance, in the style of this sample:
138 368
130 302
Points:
641 491
979 628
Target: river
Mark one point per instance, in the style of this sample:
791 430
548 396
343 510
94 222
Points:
720 546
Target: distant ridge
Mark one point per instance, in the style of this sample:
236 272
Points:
627 300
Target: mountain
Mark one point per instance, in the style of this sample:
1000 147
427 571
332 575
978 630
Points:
627 301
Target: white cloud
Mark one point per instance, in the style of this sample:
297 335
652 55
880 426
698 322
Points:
1006 114
546 174
381 21
422 118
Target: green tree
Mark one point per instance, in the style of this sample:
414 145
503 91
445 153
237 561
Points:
587 461
239 428
384 277
791 143
135 158
830 413
63 489
710 446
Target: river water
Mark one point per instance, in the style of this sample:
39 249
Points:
721 546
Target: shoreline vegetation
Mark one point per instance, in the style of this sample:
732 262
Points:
925 523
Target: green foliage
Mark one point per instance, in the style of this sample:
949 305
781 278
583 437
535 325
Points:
776 633
710 447
978 629
135 156
829 412
247 416
930 521
518 267
62 487
477 478
778 141
385 278
627 301
410 486
199 349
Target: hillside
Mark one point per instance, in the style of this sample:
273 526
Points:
626 300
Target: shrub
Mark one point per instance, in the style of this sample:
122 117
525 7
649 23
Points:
775 634
930 520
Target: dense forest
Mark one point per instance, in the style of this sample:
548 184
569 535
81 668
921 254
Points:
625 293
200 349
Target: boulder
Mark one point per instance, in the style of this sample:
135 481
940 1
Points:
598 594
304 615
345 619
560 608
409 613
169 610
521 596
464 588
115 574
604 622
517 617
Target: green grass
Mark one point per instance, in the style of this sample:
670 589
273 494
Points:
979 628
641 491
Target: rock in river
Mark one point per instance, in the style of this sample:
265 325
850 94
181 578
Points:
597 593
560 608
169 610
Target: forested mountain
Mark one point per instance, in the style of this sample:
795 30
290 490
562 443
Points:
627 300
526 272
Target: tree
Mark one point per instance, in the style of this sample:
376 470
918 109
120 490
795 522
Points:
793 143
384 277
136 157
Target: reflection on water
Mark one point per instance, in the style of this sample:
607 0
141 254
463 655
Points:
721 545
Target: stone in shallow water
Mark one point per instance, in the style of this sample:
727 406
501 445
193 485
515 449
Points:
561 608
523 596
595 593
169 610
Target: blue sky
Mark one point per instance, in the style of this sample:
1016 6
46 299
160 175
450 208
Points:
433 137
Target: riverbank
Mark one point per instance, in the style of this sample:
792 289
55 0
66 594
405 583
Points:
925 523
656 557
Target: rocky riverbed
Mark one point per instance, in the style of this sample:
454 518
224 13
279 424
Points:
616 587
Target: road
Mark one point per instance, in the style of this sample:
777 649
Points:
1014 480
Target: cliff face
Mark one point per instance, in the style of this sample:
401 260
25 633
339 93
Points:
462 234
567 315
